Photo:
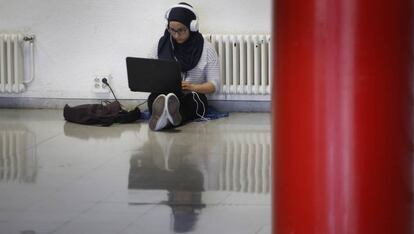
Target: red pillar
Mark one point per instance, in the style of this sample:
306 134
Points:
342 113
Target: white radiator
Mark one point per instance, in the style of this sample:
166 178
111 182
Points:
245 165
244 63
12 79
17 163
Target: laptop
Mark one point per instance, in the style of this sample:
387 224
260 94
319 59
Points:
153 75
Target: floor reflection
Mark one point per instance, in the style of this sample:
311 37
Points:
245 163
18 161
86 132
185 168
59 177
161 165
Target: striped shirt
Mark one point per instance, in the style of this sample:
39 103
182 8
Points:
207 69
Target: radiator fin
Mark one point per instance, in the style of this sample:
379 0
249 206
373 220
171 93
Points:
11 63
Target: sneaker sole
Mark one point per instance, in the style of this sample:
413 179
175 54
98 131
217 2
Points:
157 111
174 110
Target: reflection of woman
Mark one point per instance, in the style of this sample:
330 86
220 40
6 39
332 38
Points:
161 163
150 169
182 42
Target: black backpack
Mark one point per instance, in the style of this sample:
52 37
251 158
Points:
100 114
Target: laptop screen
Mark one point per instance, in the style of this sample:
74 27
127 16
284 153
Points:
153 75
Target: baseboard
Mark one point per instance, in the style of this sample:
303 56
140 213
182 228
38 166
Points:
57 103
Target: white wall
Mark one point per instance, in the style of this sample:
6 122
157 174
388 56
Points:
78 38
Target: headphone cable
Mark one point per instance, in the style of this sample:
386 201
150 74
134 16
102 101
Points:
204 107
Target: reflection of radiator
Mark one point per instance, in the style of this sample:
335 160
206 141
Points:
12 62
17 163
244 63
245 165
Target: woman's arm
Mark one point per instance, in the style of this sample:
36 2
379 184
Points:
212 69
208 81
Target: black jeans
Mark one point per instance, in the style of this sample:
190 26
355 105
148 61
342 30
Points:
188 106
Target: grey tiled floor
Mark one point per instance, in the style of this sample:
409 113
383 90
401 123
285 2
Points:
204 177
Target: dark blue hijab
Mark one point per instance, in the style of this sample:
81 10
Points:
188 54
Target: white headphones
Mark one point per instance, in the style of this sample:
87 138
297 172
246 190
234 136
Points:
193 23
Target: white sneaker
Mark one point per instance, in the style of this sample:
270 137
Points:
159 117
173 109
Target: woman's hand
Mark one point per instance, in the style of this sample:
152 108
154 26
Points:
205 88
185 85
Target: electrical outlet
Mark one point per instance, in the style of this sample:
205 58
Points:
98 86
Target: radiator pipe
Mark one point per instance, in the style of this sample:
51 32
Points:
30 39
342 116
